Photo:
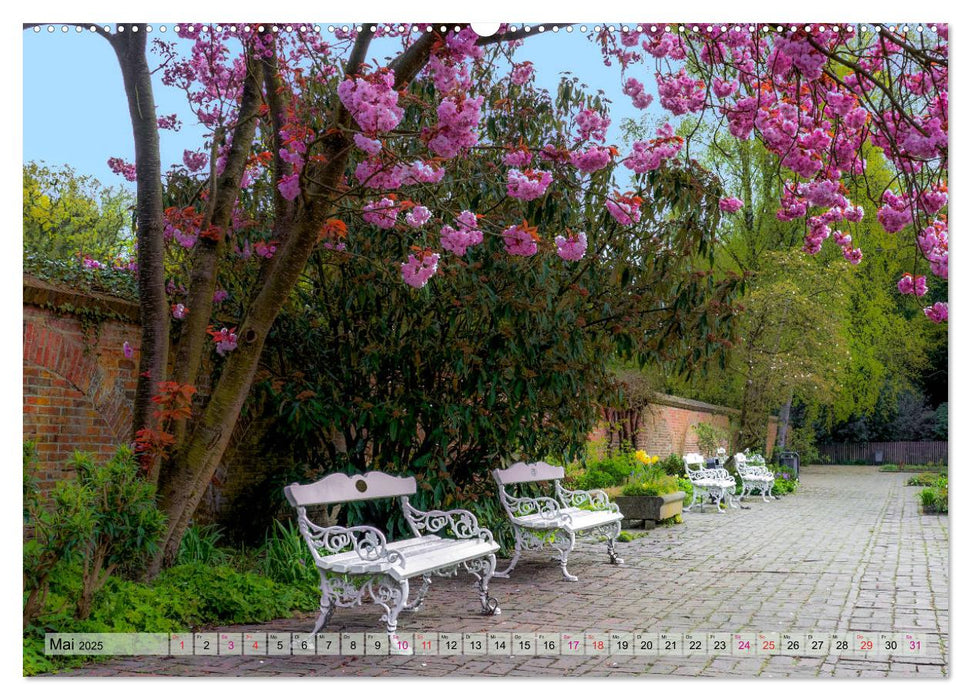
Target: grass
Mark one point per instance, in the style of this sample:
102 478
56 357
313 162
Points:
936 468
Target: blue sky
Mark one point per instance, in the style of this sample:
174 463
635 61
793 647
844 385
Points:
75 112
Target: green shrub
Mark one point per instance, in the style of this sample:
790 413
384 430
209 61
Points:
924 479
201 545
607 472
286 557
710 438
684 484
672 464
656 484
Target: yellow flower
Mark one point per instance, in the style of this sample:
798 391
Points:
654 459
642 457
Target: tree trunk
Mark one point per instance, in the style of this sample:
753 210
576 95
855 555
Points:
129 48
784 423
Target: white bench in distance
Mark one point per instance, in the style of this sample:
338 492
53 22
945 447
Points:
358 563
755 475
537 522
707 481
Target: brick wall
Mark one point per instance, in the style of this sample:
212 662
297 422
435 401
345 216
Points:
665 426
78 386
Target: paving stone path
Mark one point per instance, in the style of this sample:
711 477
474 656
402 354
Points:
850 551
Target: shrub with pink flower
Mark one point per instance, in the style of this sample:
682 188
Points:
419 269
592 125
520 240
571 247
194 160
625 208
521 73
527 185
680 93
634 89
457 128
937 313
372 101
911 284
651 154
895 214
123 168
591 160
383 213
458 240
854 255
370 146
518 158
290 186
418 216
730 205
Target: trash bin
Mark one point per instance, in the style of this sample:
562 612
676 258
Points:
878 457
790 460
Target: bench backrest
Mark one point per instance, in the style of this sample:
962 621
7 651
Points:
343 488
521 472
741 461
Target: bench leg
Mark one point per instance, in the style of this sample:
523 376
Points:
515 556
426 581
611 542
392 596
563 541
483 570
326 610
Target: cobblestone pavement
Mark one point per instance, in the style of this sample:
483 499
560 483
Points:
850 551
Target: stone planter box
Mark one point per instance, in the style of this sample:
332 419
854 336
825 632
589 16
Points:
650 508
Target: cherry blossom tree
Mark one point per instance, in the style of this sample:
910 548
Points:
311 141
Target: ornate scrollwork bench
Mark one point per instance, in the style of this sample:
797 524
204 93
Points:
537 522
706 481
755 475
358 563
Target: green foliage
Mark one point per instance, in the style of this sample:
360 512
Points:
201 545
934 498
673 464
684 484
609 471
286 557
785 481
924 479
656 484
119 507
710 438
487 362
66 215
105 519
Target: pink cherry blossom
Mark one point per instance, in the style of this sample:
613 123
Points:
371 146
592 125
123 168
418 270
195 160
219 296
591 160
179 311
911 284
937 313
418 217
127 350
626 210
730 204
383 213
527 185
290 186
520 240
372 101
571 247
521 73
518 158
457 128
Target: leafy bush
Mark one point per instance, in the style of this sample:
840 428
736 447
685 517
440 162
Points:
201 545
657 485
934 498
106 519
610 471
286 558
684 484
710 437
672 464
924 479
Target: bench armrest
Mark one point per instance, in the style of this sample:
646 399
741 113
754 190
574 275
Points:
368 542
546 507
577 499
462 523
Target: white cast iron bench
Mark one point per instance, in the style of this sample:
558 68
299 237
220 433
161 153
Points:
754 475
358 562
557 522
706 482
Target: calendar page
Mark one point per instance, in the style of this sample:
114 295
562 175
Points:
546 349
